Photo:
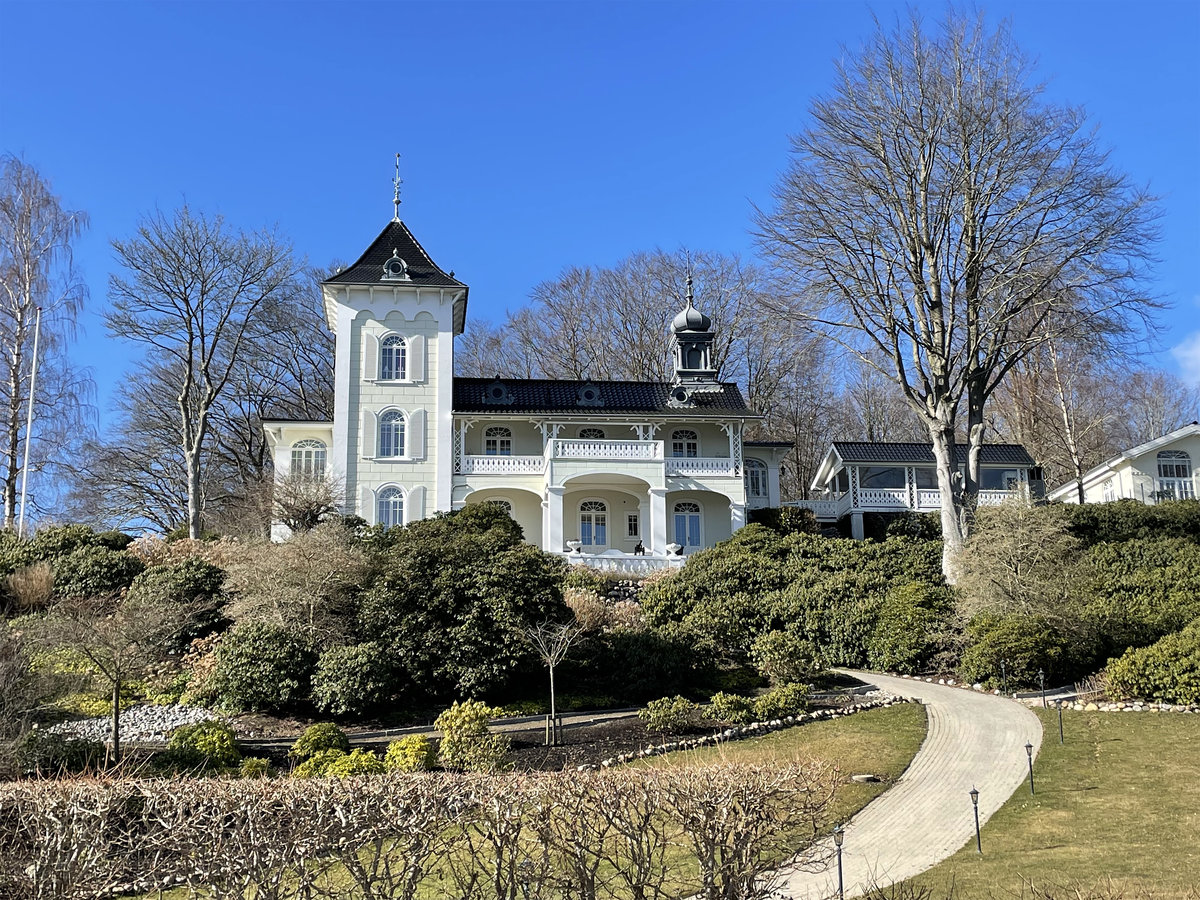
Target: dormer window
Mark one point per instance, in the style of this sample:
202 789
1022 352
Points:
497 393
395 269
588 395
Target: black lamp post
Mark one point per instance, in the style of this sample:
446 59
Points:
975 803
1029 753
1004 676
1060 730
838 835
1042 685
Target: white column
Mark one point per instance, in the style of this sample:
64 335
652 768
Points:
658 520
552 520
737 516
856 526
774 492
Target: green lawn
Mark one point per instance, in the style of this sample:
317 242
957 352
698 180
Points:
1119 800
877 742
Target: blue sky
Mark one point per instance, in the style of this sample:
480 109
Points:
534 135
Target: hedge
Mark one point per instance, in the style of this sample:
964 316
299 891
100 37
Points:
1168 670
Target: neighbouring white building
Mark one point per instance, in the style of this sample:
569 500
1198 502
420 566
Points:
860 478
589 468
1162 469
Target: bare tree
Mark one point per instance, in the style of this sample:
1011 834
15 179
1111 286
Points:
303 500
552 641
940 215
36 275
1156 403
194 293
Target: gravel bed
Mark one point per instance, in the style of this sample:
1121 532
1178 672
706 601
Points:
149 724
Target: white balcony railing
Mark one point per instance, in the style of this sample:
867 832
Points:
824 510
503 465
883 498
1175 489
584 449
700 465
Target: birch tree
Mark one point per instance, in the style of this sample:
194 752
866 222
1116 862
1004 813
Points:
941 218
193 293
36 273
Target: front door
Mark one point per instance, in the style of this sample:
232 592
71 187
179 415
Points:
593 526
687 527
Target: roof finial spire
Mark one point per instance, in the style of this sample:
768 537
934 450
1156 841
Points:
689 278
396 182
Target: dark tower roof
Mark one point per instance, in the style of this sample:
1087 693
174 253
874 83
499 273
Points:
395 240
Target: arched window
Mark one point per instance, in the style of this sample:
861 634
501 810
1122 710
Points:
687 526
393 358
390 507
391 433
685 443
591 434
497 441
308 458
503 504
593 524
756 478
1174 464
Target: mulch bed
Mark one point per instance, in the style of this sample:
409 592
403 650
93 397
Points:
588 744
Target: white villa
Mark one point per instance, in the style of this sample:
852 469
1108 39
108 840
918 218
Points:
594 469
859 478
1162 469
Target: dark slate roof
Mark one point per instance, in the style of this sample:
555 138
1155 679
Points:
869 452
422 271
547 397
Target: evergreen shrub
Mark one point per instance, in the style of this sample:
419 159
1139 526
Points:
1168 670
317 738
94 571
466 743
352 680
785 700
261 667
669 714
732 708
414 753
204 745
1024 643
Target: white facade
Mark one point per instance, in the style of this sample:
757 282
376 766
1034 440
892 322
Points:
597 470
1162 469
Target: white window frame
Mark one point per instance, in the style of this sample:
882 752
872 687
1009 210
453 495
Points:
594 513
1174 464
633 525
497 441
757 484
503 502
309 457
591 433
392 346
389 417
685 444
394 496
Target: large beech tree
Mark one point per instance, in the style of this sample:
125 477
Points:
197 293
941 218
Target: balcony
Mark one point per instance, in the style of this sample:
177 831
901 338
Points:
1174 489
604 449
503 465
700 466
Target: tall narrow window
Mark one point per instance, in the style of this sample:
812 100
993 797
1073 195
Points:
497 441
687 526
391 433
308 458
390 507
593 524
756 478
393 358
685 443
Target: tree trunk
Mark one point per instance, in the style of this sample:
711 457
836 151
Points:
953 532
116 720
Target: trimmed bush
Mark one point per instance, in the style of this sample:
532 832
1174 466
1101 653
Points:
356 762
1168 670
466 744
1125 520
317 738
669 714
254 767
352 680
785 700
413 753
784 657
95 571
732 708
261 667
317 764
204 745
1024 643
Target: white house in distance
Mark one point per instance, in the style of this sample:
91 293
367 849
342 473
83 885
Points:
860 477
589 468
1162 469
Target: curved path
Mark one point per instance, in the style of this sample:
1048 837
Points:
974 739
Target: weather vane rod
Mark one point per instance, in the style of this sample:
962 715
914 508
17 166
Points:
396 182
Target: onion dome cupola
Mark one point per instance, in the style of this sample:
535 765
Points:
692 336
